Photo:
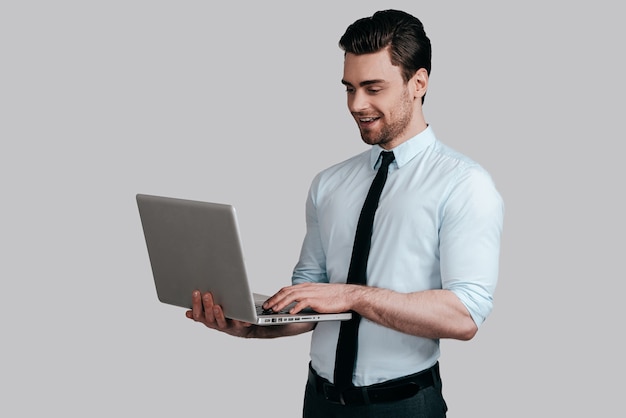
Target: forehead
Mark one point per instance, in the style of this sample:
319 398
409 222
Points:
374 66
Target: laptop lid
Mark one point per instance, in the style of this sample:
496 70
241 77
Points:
196 245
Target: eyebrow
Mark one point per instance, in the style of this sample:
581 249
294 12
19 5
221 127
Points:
364 83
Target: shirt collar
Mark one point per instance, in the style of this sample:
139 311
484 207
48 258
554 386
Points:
407 150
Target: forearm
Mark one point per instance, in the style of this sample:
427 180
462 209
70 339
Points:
429 314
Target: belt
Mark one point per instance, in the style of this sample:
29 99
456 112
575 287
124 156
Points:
389 391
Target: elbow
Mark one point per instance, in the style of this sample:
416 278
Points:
466 331
462 329
469 312
469 332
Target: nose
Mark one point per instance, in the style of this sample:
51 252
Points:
357 101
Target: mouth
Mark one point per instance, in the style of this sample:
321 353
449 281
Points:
366 122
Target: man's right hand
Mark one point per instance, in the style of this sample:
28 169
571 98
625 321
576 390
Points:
204 310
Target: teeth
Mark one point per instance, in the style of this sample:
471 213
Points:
367 119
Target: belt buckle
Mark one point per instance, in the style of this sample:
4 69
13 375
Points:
332 394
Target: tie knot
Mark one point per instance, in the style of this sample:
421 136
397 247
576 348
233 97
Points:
388 158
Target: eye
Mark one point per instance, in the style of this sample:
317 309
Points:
349 89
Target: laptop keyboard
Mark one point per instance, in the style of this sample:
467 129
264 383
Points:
261 311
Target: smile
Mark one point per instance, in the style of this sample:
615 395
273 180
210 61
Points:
367 121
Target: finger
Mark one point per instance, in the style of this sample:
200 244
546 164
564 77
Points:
303 304
196 306
274 299
219 318
284 297
209 306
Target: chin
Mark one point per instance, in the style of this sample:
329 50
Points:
373 140
369 137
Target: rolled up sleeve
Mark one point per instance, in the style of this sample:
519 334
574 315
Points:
471 228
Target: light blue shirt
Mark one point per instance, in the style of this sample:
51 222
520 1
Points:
437 226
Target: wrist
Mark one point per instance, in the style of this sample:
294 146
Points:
358 297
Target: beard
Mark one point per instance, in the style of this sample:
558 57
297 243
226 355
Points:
399 119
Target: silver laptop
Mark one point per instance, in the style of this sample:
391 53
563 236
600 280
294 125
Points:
196 245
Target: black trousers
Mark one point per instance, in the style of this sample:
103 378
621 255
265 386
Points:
428 402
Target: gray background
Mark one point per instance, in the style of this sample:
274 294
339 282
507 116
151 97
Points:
215 101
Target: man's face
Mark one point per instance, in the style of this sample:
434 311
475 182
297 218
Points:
381 103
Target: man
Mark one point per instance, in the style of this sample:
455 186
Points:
433 248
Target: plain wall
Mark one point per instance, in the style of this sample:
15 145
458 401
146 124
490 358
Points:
241 102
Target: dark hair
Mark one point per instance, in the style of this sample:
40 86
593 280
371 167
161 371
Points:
404 34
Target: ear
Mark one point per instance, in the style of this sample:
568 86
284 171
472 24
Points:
419 82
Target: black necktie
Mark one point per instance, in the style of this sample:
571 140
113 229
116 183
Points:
348 334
